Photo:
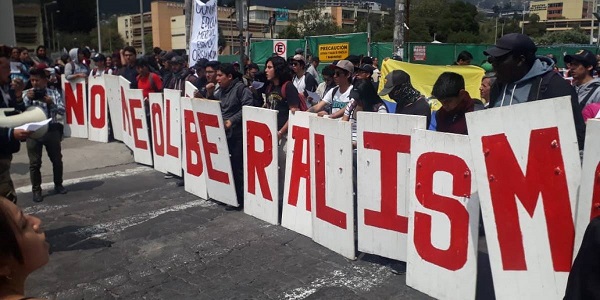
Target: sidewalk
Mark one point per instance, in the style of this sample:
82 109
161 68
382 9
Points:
81 157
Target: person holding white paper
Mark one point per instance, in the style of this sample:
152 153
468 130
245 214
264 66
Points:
53 105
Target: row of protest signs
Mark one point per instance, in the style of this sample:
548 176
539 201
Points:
418 192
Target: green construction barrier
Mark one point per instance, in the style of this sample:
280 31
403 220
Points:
260 51
381 51
445 54
229 58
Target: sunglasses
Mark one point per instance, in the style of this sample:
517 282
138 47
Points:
339 73
294 64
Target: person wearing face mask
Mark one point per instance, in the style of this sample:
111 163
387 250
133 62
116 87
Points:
408 100
23 249
449 89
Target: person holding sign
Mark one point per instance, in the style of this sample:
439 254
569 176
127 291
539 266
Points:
281 96
338 97
233 96
522 77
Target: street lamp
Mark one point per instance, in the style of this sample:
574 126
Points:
46 19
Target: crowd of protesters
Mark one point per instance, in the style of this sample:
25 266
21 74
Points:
514 74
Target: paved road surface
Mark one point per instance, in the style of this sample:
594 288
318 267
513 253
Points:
125 232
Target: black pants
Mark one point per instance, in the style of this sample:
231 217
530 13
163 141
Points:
235 144
51 141
7 188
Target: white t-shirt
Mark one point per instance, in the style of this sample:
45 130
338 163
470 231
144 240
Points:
299 83
350 112
338 100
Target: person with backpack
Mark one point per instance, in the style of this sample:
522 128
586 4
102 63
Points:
338 97
101 68
521 77
233 96
147 81
282 96
303 81
76 68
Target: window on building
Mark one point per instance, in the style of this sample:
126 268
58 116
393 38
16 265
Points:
126 23
347 15
126 34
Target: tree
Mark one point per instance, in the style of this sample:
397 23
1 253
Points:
76 16
563 37
111 39
535 28
290 32
443 19
311 21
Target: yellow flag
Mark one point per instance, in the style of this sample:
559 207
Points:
423 77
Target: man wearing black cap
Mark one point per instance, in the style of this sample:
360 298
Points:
409 101
200 68
523 77
365 72
581 66
181 74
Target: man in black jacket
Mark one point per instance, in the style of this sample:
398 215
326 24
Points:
522 77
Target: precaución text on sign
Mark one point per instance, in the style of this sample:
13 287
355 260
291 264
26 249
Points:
331 52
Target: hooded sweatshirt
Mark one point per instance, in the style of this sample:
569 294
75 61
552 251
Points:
75 66
518 91
584 90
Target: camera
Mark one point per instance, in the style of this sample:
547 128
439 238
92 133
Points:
39 94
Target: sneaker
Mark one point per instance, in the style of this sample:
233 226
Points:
234 208
59 189
37 196
168 176
180 182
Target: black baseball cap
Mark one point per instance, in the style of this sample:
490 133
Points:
584 57
99 57
201 63
366 68
393 79
512 42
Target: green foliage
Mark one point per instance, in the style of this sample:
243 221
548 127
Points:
111 39
563 37
447 20
311 21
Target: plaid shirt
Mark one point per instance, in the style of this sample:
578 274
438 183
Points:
56 108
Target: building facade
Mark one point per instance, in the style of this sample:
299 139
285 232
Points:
130 29
562 9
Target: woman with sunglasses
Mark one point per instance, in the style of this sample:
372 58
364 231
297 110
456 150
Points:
337 98
23 249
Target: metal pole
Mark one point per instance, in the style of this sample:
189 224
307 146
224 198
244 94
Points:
52 26
98 24
368 29
46 22
595 8
188 9
496 34
523 24
399 28
142 22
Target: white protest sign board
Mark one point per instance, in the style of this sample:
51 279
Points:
98 109
219 180
113 95
528 169
142 153
383 147
261 190
190 89
158 132
589 191
125 113
195 173
443 226
173 135
296 213
331 171
76 112
204 37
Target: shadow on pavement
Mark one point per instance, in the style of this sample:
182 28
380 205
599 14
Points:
71 238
